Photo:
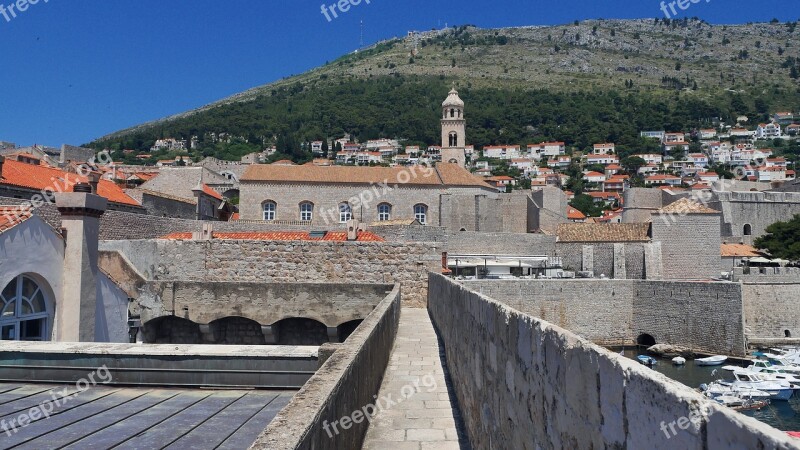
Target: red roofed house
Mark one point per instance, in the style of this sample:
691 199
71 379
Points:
37 183
660 180
574 215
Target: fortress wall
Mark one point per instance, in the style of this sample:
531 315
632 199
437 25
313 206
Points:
513 372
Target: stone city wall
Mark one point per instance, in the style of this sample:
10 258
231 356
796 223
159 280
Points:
772 310
706 317
524 383
286 262
347 382
571 254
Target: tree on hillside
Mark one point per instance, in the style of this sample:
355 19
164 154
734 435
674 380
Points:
632 164
782 239
587 205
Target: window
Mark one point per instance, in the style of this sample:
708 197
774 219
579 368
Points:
269 211
23 311
748 230
345 212
453 139
306 211
421 214
384 212
452 113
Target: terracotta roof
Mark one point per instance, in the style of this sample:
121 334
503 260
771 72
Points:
11 216
38 178
210 192
339 236
686 206
574 214
596 232
447 174
738 250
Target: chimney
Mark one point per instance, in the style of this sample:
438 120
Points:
94 180
80 219
352 230
205 234
444 260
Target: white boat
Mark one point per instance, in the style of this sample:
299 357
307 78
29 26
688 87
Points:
760 365
711 360
778 390
679 360
717 389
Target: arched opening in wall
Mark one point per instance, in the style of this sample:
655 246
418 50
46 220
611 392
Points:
645 340
748 230
301 331
231 194
463 229
171 330
347 328
237 331
787 333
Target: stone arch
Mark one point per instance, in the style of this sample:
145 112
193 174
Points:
236 330
787 333
171 330
747 230
230 193
27 304
347 328
300 331
645 340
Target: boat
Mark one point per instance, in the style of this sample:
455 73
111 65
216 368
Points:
778 390
751 405
679 360
646 360
711 360
718 389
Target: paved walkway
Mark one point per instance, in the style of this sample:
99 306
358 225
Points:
424 416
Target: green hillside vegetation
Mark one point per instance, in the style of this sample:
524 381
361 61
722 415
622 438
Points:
592 82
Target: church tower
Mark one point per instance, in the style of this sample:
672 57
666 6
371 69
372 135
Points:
454 129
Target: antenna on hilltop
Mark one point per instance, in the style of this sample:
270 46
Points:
362 34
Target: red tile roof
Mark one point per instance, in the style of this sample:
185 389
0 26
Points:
38 178
208 191
340 236
574 214
11 216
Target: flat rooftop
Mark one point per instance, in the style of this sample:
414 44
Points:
105 417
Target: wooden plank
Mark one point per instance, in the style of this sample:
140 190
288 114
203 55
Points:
182 423
48 396
141 422
249 432
21 392
91 425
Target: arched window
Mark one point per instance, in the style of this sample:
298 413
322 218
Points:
748 230
452 112
269 210
23 311
306 211
345 212
384 212
453 139
421 213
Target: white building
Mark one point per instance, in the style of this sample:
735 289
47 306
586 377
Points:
768 131
604 149
548 149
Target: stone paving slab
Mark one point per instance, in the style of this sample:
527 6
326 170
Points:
421 414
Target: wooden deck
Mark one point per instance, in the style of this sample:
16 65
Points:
127 418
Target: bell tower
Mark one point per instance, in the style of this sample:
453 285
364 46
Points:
454 129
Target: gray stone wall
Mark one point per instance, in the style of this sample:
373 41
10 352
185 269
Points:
757 209
347 382
640 203
286 262
690 245
466 242
164 207
411 233
703 316
571 254
772 309
524 383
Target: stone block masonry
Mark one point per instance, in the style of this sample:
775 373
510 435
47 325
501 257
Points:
706 317
286 262
772 311
524 383
347 382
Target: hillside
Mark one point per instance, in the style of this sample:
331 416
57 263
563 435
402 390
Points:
595 80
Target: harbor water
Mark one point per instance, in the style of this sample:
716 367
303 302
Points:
781 415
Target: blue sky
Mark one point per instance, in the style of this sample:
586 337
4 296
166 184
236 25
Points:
74 70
